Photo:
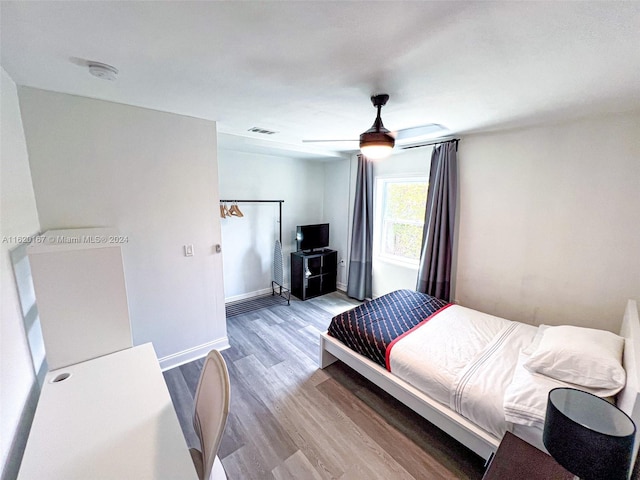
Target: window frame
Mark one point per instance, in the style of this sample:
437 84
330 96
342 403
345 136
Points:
380 190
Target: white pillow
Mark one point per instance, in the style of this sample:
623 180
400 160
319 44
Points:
582 356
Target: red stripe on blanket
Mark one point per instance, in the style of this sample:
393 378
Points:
387 356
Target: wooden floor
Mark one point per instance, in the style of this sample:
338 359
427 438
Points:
290 420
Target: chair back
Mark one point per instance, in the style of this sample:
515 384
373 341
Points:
211 408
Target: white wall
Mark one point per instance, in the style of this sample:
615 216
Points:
153 176
18 217
550 222
338 211
248 241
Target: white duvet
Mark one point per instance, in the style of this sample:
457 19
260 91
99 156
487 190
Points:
470 374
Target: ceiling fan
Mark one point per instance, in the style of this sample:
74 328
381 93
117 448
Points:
378 141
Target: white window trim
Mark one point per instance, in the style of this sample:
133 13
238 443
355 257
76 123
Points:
379 183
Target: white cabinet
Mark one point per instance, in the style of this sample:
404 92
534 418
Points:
78 277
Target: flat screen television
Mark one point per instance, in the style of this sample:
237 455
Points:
312 237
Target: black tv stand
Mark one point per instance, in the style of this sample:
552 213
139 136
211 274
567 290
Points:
315 251
313 273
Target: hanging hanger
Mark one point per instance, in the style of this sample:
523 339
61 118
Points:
238 211
223 211
235 210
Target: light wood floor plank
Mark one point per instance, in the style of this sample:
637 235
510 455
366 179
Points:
406 452
245 463
296 466
271 441
182 399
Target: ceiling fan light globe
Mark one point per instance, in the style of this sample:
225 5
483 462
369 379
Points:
376 145
376 152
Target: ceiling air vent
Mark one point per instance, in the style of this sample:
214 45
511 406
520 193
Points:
261 131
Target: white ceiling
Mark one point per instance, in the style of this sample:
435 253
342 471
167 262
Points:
306 69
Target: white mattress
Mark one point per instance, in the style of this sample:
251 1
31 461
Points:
471 373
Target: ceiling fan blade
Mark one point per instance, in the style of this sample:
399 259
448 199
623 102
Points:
422 130
429 130
404 136
317 141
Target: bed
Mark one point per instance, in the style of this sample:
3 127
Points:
466 387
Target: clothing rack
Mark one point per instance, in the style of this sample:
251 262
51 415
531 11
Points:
280 202
281 290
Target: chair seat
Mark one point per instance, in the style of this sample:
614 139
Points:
210 413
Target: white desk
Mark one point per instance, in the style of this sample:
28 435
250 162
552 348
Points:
111 419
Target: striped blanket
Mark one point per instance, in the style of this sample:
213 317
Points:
371 328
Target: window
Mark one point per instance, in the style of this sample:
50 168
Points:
400 207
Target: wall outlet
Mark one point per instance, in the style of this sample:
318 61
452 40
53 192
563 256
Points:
188 250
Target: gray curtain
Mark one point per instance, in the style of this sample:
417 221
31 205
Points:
360 266
434 275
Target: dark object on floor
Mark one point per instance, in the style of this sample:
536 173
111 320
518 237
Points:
515 458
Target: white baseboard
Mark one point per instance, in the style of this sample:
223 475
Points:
191 354
342 287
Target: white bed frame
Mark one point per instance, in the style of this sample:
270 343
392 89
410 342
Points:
454 424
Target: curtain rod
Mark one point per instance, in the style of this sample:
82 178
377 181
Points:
436 142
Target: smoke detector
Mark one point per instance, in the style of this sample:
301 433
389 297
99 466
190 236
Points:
103 71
